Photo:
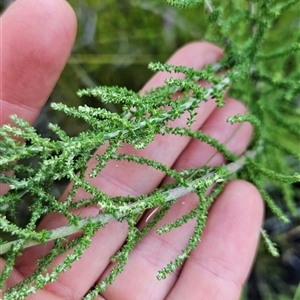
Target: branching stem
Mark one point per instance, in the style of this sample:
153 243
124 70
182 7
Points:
135 208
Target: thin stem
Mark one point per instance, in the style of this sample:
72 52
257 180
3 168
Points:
135 208
73 143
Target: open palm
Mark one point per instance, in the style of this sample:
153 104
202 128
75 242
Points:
37 37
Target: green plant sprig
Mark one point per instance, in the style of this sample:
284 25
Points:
256 70
141 203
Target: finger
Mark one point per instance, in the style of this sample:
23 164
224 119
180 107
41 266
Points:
36 40
235 137
124 179
156 251
219 266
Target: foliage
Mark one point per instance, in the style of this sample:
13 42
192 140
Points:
260 71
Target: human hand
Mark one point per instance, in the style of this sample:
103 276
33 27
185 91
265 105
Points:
37 37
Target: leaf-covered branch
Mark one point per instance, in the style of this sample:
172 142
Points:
255 68
139 207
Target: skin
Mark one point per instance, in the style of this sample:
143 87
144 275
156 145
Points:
31 64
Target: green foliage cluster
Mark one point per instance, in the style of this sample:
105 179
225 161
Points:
259 70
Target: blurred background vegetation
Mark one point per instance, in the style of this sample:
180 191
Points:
116 40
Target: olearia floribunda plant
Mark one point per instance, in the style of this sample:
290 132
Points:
266 78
